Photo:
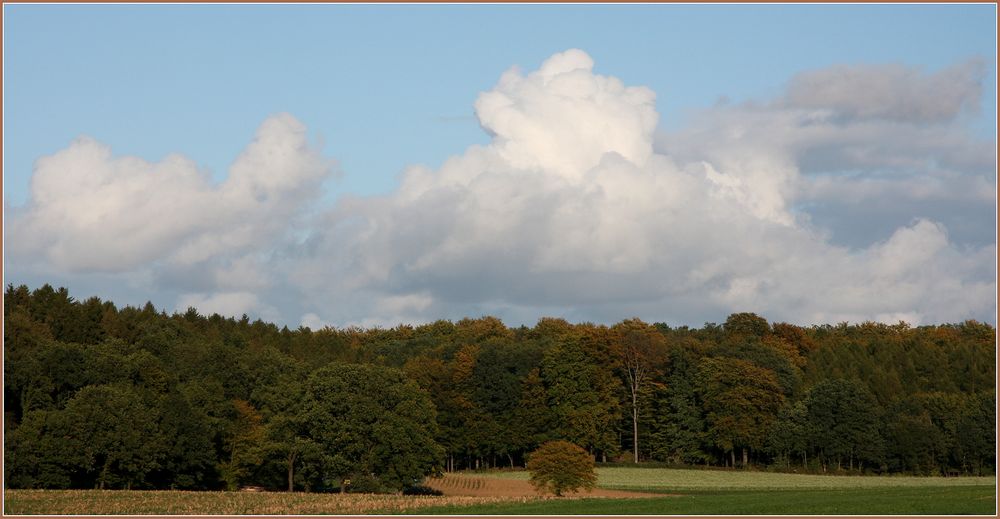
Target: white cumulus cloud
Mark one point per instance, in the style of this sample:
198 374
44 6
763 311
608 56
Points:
92 211
827 203
575 208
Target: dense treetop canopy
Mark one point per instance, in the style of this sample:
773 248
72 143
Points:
101 396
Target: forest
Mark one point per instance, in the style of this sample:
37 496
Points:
97 396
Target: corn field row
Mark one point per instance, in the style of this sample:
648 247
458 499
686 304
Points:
125 502
459 482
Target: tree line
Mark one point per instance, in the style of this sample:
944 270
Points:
98 396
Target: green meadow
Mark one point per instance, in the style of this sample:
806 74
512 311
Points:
695 492
669 480
948 500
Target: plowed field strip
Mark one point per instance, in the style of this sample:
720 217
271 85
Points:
470 485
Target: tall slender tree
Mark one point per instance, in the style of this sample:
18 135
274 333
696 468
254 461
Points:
643 352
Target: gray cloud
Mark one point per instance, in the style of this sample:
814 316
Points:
855 175
892 92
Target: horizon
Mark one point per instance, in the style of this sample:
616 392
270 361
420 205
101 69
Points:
378 327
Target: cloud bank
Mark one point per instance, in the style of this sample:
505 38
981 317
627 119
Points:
576 208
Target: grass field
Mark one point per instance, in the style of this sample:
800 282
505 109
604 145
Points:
740 492
860 501
700 492
658 479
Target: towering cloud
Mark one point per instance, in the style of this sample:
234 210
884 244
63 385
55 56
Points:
562 106
570 211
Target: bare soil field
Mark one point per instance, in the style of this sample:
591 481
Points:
473 485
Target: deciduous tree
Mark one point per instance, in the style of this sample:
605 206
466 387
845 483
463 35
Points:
560 466
372 422
741 401
643 353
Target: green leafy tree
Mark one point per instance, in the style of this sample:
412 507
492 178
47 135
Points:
434 376
244 444
582 395
676 419
116 434
287 428
497 376
745 325
287 438
189 458
38 455
844 422
45 376
371 422
560 466
790 434
914 443
741 400
977 433
533 417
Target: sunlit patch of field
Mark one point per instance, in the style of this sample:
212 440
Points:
141 502
666 480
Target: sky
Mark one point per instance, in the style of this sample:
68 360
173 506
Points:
370 165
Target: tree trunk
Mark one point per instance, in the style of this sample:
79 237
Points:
744 457
511 458
635 425
291 473
732 457
104 473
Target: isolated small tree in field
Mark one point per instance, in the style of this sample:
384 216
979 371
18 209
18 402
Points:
560 466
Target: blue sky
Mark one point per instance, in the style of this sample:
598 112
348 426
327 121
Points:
152 80
384 87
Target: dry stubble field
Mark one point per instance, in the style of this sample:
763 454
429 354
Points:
459 490
150 502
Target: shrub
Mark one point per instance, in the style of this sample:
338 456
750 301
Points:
560 466
364 484
420 490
